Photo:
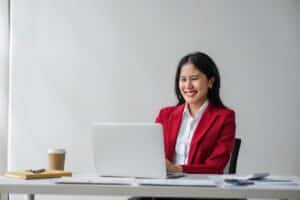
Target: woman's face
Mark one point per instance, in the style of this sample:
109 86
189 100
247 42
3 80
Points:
194 84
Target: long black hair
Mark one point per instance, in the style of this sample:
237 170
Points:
206 65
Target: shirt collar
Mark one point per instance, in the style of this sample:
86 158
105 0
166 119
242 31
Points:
198 114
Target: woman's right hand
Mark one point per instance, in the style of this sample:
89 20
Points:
173 168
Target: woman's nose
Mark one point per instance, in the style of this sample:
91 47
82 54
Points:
189 84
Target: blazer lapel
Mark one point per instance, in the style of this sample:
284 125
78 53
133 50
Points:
204 124
175 123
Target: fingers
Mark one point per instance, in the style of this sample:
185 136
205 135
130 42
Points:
168 162
168 165
172 168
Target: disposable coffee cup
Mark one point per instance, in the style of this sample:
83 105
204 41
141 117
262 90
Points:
56 159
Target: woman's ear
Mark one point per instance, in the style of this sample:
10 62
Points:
211 82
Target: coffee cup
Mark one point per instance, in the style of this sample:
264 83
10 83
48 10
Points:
56 159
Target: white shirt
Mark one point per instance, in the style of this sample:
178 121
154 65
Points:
186 132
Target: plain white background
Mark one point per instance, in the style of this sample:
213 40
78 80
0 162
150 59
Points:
77 62
4 42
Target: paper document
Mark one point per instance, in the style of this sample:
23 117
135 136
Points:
269 181
97 180
179 182
255 176
134 181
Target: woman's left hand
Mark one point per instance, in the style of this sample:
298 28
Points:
173 168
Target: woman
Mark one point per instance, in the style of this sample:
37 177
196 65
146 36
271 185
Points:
199 132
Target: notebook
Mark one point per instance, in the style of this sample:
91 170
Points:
129 150
30 175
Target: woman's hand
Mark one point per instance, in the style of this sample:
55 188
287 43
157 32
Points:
173 168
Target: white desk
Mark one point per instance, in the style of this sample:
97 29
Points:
8 185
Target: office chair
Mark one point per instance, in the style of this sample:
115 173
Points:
232 164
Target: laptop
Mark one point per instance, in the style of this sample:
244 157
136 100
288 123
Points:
129 150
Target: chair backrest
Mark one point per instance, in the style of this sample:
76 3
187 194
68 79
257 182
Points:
232 164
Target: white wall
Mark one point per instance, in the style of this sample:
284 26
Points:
76 62
4 42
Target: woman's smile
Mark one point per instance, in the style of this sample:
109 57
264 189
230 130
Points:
190 93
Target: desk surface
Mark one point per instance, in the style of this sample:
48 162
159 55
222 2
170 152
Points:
48 186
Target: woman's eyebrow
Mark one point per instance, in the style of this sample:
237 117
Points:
194 75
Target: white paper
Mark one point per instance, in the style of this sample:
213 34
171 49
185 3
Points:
178 182
255 176
134 181
97 180
268 182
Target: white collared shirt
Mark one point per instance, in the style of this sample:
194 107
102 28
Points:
186 132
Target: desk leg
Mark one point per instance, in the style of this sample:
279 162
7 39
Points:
3 196
29 197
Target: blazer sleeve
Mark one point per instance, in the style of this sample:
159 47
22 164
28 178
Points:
164 115
219 157
159 118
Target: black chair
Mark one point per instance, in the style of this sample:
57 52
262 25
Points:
234 156
232 164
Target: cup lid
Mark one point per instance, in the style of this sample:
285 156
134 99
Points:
56 151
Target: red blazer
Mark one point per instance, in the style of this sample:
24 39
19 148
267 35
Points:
212 142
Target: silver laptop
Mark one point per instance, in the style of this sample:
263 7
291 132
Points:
129 150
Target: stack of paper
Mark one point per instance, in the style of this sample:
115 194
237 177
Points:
255 176
134 181
179 182
97 180
262 180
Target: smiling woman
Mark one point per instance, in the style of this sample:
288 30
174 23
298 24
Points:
199 132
